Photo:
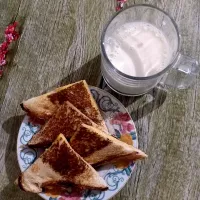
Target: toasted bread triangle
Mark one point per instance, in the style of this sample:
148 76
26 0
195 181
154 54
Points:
99 148
43 107
60 164
66 120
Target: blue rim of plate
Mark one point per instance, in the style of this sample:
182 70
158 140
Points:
119 123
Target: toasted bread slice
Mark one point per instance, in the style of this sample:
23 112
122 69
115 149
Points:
99 148
60 164
44 106
66 120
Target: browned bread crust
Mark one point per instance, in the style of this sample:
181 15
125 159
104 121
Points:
66 120
99 148
43 107
60 164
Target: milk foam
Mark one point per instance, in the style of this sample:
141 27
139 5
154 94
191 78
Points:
138 49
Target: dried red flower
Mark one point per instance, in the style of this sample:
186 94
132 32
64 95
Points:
10 35
120 4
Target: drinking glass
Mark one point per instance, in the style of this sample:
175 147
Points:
181 71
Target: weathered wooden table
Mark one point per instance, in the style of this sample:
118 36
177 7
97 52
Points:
59 44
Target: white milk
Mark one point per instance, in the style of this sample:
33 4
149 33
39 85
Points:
138 49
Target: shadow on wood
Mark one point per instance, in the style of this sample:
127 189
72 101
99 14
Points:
151 101
90 72
11 126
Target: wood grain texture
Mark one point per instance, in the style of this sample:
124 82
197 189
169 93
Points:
59 44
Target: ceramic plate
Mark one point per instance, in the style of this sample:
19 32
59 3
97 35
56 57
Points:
119 123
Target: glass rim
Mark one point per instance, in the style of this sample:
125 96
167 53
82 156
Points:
170 65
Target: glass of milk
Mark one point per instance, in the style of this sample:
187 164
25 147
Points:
140 48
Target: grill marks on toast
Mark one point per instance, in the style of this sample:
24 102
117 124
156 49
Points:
76 92
89 142
44 106
99 148
60 165
66 120
56 158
